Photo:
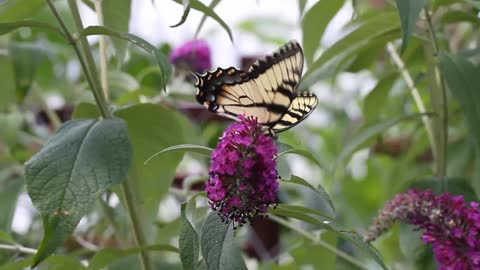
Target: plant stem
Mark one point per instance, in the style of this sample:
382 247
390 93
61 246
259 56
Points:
319 241
90 63
103 109
18 248
439 100
130 205
103 51
416 96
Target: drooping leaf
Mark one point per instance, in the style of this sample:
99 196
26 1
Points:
463 81
7 27
208 11
316 218
285 149
107 256
19 9
408 11
218 249
188 242
314 23
322 198
202 150
11 183
367 29
64 178
186 11
116 15
161 59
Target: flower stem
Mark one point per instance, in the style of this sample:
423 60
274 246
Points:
139 235
90 63
416 97
103 51
438 98
85 67
318 241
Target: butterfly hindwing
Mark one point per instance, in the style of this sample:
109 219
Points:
268 91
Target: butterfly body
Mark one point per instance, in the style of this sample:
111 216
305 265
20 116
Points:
267 91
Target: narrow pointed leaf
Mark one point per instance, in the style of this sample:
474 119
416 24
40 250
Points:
408 11
315 22
162 61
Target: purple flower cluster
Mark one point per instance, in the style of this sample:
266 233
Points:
193 55
243 179
448 224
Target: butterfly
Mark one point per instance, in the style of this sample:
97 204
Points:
267 91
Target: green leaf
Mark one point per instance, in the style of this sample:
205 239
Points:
301 6
212 5
7 94
218 249
456 16
11 181
195 4
188 242
19 9
64 178
463 80
315 218
367 30
314 23
17 265
408 10
116 16
367 133
322 198
160 58
301 152
106 256
186 11
202 150
7 27
375 101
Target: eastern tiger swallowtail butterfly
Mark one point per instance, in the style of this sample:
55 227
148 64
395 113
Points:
267 91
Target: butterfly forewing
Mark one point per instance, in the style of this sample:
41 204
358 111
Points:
267 91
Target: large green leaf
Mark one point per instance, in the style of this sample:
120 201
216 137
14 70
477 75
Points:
315 217
314 23
408 11
463 80
64 178
160 58
366 30
116 15
218 249
188 242
14 10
